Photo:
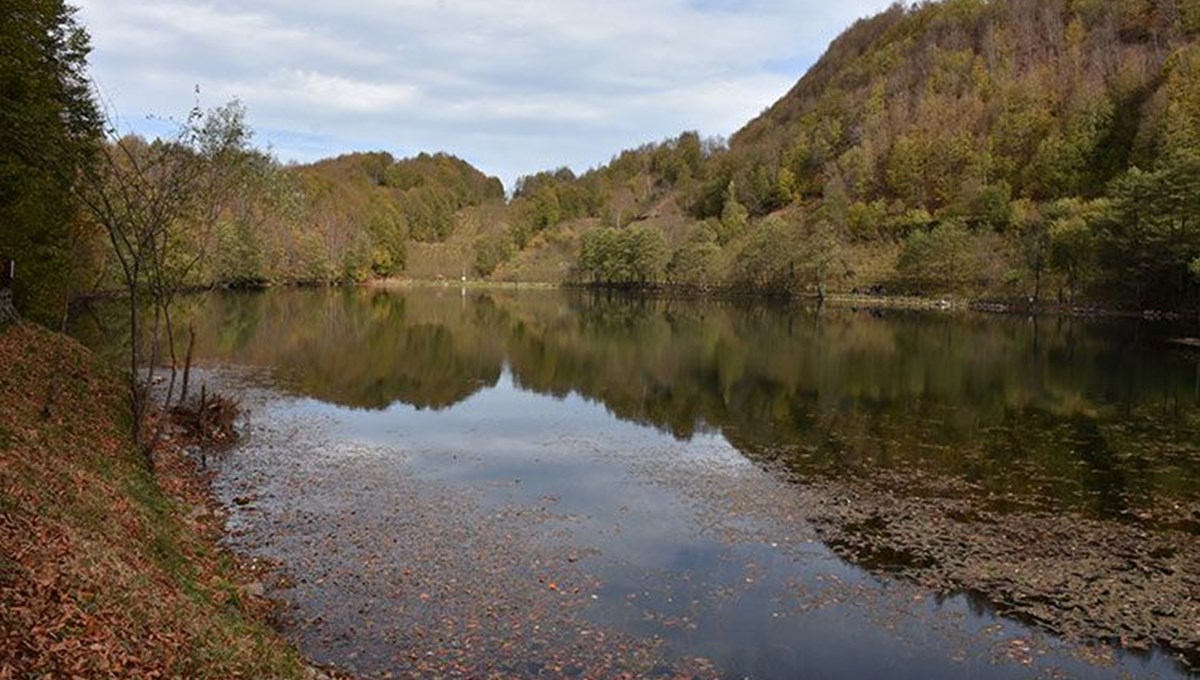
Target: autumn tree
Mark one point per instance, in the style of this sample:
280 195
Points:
734 216
158 201
697 261
767 260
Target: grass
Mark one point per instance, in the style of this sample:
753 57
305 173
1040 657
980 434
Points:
105 570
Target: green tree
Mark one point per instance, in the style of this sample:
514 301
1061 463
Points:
632 256
938 261
49 129
238 257
696 262
818 251
1150 236
785 187
734 216
906 171
1033 237
596 251
547 211
1072 252
645 251
767 260
389 235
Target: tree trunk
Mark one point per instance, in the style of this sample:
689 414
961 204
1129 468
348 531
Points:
187 363
8 312
171 352
137 401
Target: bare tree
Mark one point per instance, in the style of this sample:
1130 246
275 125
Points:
158 201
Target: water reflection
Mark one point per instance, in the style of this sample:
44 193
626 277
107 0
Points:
918 439
1091 415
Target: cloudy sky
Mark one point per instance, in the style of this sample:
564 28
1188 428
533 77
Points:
513 86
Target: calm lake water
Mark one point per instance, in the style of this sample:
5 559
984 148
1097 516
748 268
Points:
544 484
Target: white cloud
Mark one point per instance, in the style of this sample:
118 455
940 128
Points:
513 86
303 89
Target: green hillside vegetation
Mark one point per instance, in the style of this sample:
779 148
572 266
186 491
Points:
1016 145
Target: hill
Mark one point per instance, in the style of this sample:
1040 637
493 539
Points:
977 147
348 218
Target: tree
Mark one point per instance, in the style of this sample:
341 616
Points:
767 260
1033 236
818 250
49 127
1072 252
734 216
492 250
937 260
596 252
158 202
906 171
695 262
633 256
1152 232
645 250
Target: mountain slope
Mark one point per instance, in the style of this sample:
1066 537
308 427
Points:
979 147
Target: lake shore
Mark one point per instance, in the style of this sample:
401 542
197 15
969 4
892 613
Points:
108 569
880 301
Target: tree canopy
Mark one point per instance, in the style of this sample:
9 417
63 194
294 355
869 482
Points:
49 128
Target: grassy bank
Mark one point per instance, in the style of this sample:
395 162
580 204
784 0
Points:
107 570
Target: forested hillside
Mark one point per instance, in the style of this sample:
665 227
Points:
345 219
1003 147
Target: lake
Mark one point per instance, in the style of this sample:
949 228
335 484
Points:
521 483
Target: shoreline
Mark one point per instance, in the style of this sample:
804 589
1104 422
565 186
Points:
109 568
946 303
1124 583
950 303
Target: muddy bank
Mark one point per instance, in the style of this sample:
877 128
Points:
1134 583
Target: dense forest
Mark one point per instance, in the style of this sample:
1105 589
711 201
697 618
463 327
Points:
1045 149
